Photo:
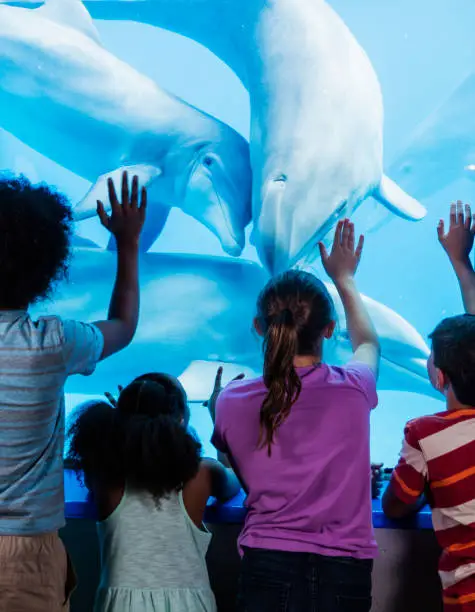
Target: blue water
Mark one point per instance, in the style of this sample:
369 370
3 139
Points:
421 51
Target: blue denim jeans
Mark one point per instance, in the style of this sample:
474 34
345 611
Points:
275 581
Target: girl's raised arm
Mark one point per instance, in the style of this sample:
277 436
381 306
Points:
341 265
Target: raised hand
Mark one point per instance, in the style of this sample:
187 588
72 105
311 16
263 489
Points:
211 403
344 258
111 399
458 241
127 217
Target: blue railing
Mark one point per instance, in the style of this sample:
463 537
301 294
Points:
79 505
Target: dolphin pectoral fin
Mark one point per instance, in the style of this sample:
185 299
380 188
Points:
86 208
155 221
309 260
157 215
71 13
390 195
84 243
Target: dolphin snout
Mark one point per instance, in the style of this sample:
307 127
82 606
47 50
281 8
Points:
232 248
214 210
273 255
272 233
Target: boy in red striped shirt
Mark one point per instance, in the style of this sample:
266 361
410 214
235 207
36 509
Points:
438 454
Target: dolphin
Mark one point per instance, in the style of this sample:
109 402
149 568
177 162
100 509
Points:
63 94
442 148
194 312
404 353
316 112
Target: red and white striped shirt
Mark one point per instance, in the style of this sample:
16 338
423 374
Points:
438 456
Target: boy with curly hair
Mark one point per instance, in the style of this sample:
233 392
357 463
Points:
36 358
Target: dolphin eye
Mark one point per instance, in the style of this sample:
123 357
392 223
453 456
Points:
208 161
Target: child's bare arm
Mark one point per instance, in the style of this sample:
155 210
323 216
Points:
224 482
211 405
212 480
458 243
394 508
125 223
341 265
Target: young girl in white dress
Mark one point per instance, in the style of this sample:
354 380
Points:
151 487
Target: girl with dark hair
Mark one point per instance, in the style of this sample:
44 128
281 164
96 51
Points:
298 437
151 488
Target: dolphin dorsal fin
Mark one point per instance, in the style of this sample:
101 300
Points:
73 14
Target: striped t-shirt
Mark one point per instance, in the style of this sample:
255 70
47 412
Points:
438 456
36 357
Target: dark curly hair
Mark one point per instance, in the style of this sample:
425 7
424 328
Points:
36 227
146 445
95 445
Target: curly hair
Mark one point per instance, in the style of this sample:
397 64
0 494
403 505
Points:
142 442
94 451
36 226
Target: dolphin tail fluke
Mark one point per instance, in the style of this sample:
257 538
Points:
157 215
390 195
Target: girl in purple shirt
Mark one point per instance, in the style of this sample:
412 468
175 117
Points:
298 437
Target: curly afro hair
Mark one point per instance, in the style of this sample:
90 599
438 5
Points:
95 449
143 442
36 229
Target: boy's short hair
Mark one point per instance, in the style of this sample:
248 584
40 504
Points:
453 347
35 235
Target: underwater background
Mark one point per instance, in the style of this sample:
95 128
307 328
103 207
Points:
423 52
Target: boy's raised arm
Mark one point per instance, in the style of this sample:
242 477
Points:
458 243
125 223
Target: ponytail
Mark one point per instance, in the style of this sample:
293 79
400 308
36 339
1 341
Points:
280 377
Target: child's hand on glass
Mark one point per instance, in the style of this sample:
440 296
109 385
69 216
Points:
211 403
342 262
458 241
128 216
111 399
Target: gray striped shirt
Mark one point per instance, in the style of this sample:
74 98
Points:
36 357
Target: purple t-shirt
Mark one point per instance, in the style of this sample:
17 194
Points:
314 493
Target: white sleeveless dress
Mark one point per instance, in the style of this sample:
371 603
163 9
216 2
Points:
153 558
